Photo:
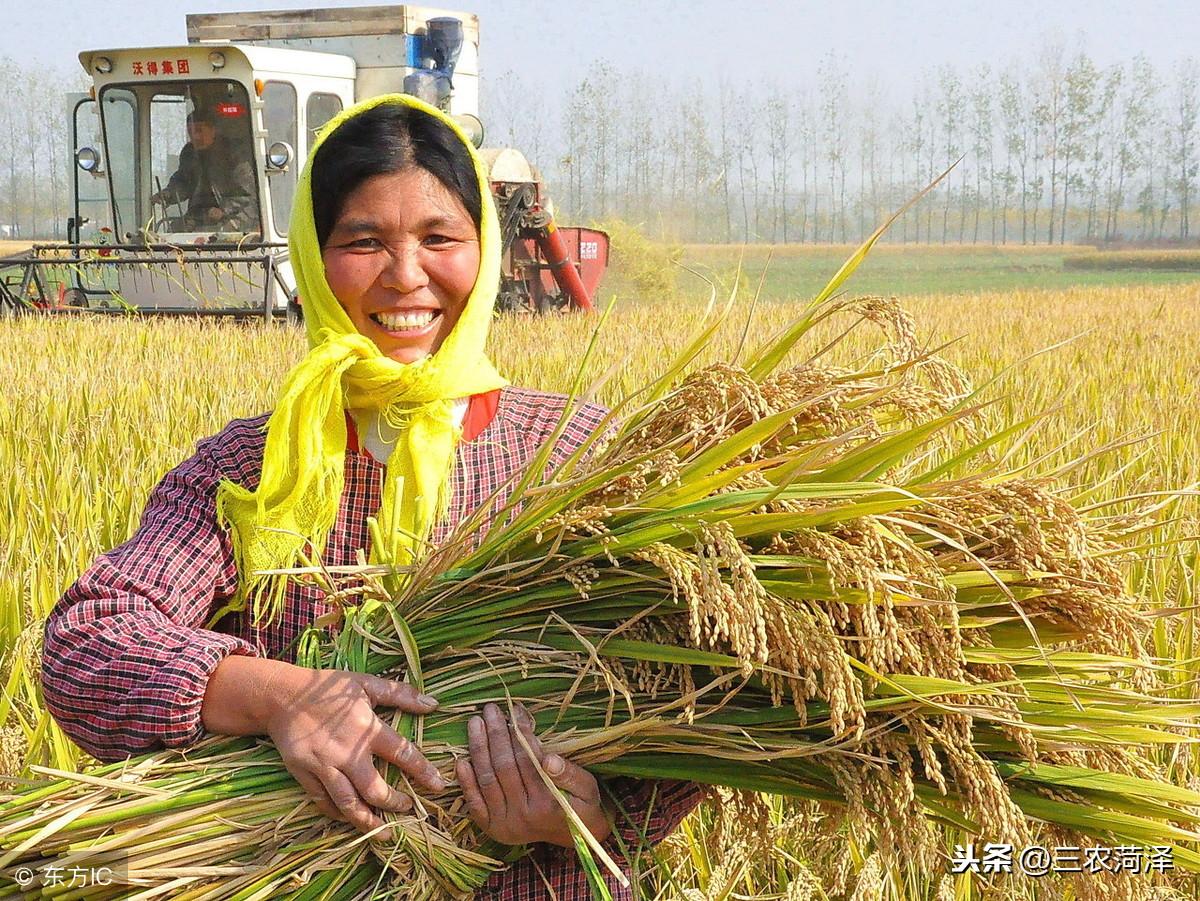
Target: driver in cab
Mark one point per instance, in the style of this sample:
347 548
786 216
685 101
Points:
213 179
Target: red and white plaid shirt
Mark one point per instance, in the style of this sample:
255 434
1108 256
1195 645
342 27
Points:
127 658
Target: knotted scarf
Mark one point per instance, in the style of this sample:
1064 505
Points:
296 502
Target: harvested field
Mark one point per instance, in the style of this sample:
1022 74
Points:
1146 260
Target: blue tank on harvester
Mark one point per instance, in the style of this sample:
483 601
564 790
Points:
434 56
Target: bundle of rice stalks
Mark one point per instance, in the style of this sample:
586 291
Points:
772 578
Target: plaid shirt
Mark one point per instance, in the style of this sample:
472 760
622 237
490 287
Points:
127 658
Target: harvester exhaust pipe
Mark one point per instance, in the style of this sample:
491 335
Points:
550 242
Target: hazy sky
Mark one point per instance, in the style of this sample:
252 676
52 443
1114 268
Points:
558 39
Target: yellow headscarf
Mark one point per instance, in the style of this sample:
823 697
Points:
297 498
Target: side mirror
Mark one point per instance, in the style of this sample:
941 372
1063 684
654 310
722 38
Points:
279 156
88 159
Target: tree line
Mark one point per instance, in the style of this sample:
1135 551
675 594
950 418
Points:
1055 150
35 152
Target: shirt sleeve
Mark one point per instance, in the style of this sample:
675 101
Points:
240 201
126 659
648 811
183 180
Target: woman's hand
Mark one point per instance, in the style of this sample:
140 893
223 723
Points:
324 724
506 796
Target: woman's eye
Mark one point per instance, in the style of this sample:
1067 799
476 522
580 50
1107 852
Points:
364 243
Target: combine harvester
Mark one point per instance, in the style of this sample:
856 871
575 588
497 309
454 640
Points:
264 83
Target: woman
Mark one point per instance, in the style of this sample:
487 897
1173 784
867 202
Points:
395 412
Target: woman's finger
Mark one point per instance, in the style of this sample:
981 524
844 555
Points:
523 719
390 693
572 779
476 806
565 775
319 795
373 788
503 754
395 748
345 797
481 764
532 779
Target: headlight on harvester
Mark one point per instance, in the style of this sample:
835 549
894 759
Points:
216 59
102 64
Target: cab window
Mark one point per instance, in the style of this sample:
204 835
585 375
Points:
321 108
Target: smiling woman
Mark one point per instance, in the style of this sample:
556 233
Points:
189 628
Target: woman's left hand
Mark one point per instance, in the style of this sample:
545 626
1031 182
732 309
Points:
506 796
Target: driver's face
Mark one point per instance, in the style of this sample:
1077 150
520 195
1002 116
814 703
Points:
201 134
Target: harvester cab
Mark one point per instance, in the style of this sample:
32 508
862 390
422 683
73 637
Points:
184 155
187 160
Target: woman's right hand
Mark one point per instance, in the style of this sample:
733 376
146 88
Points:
324 724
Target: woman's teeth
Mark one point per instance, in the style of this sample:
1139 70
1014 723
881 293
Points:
401 322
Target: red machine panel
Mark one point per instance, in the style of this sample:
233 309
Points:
588 246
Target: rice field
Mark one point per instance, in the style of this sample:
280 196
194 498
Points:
97 410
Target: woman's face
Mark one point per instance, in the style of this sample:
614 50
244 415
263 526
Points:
402 259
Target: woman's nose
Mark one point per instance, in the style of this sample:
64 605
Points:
404 271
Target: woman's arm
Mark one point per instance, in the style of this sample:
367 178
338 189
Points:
128 666
126 658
